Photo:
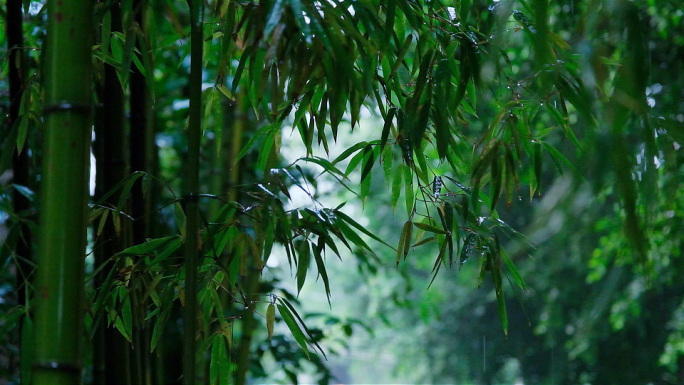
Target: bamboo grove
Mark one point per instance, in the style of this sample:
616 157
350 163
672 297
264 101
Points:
172 256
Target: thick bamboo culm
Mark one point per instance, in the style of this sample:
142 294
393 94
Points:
64 194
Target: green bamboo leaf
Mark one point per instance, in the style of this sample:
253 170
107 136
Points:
274 17
261 134
513 270
511 173
448 210
368 161
215 361
269 237
103 220
246 54
220 365
464 9
353 223
424 241
408 190
397 178
430 228
438 262
442 132
270 319
167 250
256 76
536 154
148 247
400 56
390 12
216 303
575 93
265 150
558 158
124 186
327 166
304 253
160 323
345 154
387 157
354 162
563 123
350 234
484 161
156 334
301 321
294 327
497 178
124 319
321 113
321 265
501 304
116 220
404 241
468 247
386 128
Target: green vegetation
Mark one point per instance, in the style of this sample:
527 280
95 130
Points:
491 188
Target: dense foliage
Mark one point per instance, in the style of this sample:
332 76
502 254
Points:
534 147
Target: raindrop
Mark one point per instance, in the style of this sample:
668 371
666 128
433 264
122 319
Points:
657 162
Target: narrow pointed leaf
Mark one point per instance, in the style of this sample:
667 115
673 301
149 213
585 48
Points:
404 241
430 228
270 319
304 253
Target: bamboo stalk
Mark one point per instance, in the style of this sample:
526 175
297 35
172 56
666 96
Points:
192 191
110 153
140 150
64 193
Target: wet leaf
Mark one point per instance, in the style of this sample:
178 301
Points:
517 278
353 223
468 247
321 267
285 308
368 161
430 228
397 178
408 190
270 319
537 165
220 364
387 126
346 153
404 241
497 178
149 246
